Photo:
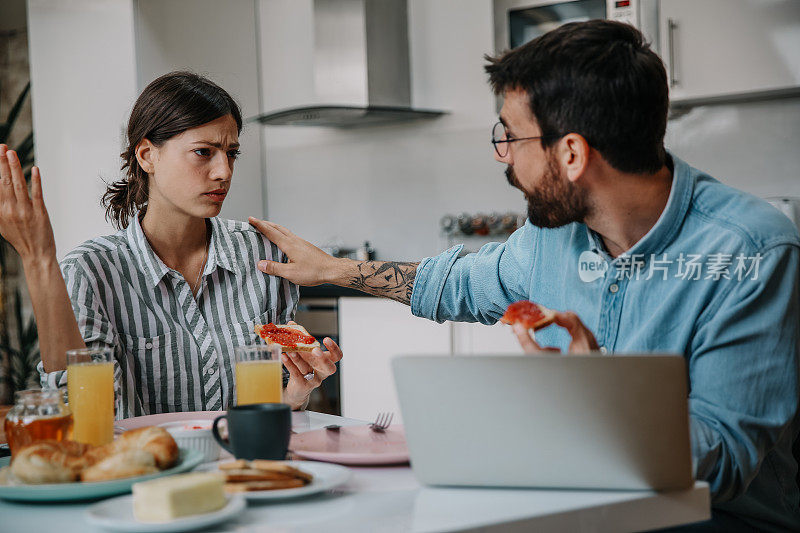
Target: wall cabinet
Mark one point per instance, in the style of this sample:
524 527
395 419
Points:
724 49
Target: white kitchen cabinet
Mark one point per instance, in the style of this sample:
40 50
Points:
480 339
718 49
371 332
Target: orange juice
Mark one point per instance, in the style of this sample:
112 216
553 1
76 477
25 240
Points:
258 382
90 387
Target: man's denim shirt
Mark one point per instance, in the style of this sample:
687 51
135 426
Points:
716 279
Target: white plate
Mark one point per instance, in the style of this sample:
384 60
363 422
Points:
326 477
117 514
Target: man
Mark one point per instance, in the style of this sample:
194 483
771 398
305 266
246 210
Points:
651 254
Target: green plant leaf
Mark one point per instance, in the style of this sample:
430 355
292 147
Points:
25 150
5 129
25 357
18 313
30 337
9 349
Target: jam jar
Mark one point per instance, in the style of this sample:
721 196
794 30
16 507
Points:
37 415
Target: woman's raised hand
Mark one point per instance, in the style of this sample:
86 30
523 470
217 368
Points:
24 222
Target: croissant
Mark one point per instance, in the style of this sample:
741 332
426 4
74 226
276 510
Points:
136 452
50 461
152 439
126 463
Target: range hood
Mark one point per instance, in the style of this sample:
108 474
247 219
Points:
361 67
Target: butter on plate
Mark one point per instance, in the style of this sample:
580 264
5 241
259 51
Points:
168 498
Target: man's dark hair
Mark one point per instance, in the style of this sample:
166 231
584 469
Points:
599 79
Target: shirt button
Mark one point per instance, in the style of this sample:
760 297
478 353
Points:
603 349
149 345
613 288
210 371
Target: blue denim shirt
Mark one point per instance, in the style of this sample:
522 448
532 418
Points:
715 279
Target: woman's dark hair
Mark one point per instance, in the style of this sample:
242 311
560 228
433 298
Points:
170 105
599 79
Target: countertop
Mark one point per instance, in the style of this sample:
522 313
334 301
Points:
330 291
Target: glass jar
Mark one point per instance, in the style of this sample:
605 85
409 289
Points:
37 415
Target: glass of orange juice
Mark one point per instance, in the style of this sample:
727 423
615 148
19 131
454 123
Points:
259 374
90 390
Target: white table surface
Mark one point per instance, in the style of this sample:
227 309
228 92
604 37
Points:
390 499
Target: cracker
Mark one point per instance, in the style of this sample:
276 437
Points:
249 486
279 466
255 475
238 464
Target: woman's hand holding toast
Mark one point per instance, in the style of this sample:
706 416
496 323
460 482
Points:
316 364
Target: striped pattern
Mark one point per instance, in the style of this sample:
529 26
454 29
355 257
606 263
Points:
173 353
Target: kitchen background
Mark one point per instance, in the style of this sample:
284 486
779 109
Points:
389 185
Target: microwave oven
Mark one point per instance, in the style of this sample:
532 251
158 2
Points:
519 21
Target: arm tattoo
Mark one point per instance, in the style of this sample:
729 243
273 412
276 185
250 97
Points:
390 279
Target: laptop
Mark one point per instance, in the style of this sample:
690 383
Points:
577 421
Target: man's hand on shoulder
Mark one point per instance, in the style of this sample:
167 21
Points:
583 340
308 265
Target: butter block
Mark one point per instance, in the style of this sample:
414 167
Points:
168 498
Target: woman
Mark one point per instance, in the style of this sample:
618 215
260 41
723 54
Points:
175 290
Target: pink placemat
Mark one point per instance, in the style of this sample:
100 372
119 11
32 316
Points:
352 445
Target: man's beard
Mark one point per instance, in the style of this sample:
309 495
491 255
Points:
556 201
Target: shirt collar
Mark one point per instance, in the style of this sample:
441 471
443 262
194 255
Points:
154 268
666 227
149 263
219 250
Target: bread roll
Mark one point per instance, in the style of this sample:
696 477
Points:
125 463
50 461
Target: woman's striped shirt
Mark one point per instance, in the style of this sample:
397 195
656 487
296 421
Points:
173 353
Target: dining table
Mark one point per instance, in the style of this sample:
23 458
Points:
391 499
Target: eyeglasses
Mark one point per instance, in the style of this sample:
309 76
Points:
501 142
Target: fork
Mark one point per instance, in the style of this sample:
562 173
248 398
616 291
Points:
382 422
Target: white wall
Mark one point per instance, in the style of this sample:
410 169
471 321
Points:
390 184
83 81
89 61
218 40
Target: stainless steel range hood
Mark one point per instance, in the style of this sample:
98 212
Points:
361 67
